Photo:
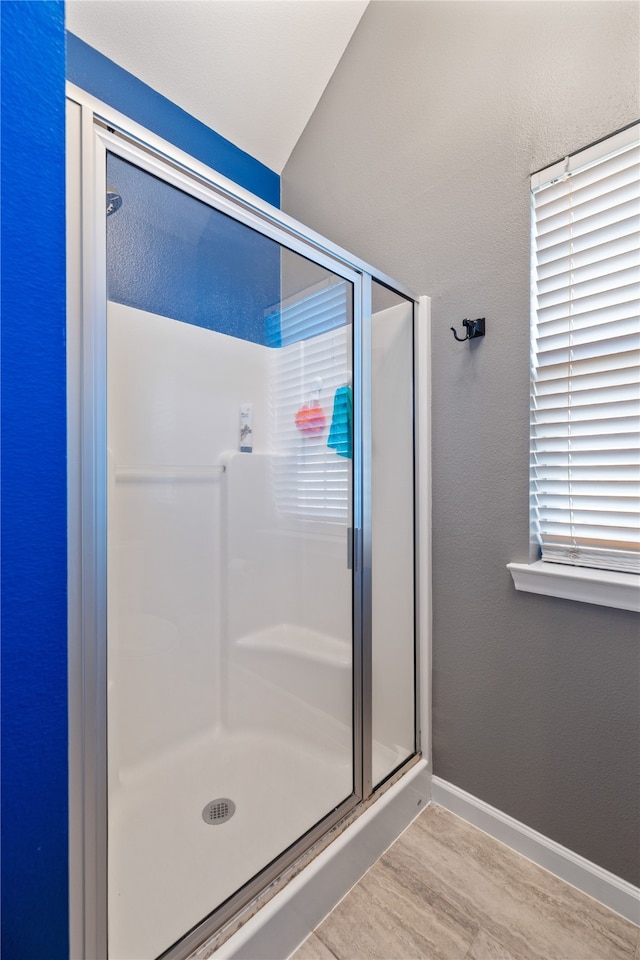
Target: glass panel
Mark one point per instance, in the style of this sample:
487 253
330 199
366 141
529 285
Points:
392 531
229 592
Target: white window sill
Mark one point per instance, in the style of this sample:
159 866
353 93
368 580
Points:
604 587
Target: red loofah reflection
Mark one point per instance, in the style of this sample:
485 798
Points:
310 418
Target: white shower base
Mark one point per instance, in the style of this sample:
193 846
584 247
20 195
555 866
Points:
282 754
168 868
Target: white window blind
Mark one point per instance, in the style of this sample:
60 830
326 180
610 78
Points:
585 421
311 481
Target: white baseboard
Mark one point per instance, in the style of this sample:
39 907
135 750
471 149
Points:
279 927
606 887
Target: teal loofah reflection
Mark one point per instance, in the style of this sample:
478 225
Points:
341 432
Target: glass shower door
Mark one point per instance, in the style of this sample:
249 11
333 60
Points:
230 596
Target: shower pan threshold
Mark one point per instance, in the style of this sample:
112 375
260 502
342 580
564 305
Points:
274 924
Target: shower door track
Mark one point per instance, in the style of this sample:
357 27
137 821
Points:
95 130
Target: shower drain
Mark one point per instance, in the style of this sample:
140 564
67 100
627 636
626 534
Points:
219 811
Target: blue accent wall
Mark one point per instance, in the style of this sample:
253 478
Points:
173 255
34 574
108 82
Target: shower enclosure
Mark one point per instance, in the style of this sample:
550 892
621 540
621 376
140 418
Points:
249 461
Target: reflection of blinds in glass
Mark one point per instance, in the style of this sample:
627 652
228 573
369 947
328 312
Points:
585 434
311 480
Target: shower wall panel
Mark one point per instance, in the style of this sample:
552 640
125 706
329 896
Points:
175 392
288 588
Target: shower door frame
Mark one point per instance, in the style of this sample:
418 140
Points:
103 130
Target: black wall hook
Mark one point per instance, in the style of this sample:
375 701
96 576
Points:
475 328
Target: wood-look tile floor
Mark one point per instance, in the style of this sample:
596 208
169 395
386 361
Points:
447 891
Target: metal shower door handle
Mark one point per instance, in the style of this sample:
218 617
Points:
354 546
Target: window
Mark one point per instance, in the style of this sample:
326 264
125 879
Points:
313 362
585 403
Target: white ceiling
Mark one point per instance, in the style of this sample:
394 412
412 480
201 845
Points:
253 70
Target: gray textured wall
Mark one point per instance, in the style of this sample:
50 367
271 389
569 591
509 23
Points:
417 159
